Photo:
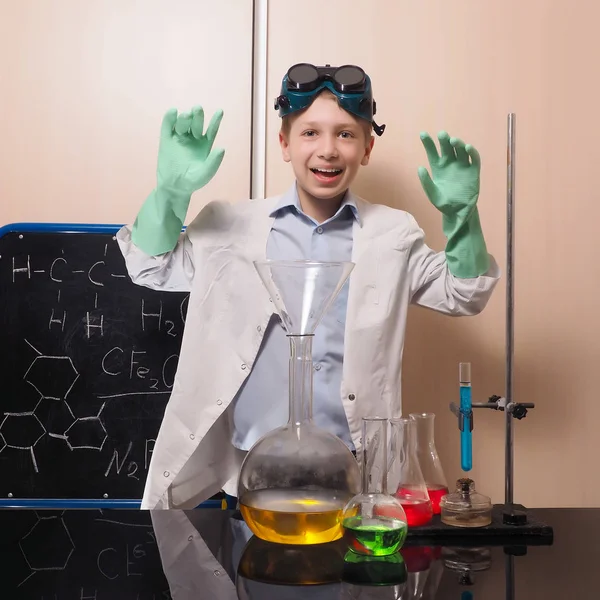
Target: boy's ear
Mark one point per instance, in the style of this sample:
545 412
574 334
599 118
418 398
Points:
285 146
365 160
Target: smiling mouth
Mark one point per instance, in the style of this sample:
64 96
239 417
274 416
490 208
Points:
327 172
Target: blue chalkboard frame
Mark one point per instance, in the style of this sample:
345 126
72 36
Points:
59 228
82 503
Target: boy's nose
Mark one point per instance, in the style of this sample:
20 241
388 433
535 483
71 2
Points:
328 148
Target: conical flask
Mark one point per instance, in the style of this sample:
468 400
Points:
429 460
296 479
405 473
374 521
425 570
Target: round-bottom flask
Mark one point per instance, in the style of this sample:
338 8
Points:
360 572
374 521
296 479
294 485
289 565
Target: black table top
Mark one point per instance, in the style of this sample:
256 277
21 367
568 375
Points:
210 554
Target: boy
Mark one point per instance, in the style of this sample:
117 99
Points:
231 384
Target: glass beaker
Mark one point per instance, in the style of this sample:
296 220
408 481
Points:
296 479
405 474
374 521
429 460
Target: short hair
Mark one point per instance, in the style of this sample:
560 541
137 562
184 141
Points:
287 120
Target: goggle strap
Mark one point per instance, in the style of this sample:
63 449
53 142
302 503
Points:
378 129
283 102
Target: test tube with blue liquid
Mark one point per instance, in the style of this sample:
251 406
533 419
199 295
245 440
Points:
466 410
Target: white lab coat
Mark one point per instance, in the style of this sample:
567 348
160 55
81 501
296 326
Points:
188 563
228 312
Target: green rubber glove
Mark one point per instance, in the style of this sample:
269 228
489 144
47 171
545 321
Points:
453 188
186 162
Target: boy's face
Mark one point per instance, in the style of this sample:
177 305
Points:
326 146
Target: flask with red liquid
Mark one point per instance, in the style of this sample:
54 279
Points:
429 460
405 475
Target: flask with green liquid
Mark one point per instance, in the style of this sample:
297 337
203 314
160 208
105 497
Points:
374 521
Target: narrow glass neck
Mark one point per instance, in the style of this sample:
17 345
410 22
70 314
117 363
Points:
403 441
374 456
301 378
424 429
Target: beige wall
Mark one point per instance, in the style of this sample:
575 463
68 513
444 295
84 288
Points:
84 86
462 66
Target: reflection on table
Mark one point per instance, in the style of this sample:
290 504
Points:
211 554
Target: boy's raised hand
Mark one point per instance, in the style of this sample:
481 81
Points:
453 187
186 158
186 162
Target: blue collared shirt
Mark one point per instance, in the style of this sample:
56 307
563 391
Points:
262 402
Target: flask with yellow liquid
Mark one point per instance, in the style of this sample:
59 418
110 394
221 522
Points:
296 479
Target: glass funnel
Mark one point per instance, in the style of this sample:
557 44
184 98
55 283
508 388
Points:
405 475
296 479
429 461
374 522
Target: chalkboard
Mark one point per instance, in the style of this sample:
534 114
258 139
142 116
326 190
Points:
80 555
87 364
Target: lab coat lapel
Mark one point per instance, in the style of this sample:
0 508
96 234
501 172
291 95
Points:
257 234
365 256
254 247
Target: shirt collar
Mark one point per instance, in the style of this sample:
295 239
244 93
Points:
291 200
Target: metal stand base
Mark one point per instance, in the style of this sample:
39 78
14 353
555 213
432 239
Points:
514 514
532 533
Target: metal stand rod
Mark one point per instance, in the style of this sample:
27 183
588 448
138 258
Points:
514 514
508 497
509 574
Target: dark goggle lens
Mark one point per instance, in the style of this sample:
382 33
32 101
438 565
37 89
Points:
350 76
302 75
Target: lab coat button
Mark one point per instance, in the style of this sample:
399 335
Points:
217 573
259 329
167 474
219 402
190 538
351 397
243 366
192 436
319 230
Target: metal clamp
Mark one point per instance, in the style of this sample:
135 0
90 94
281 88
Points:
518 410
462 415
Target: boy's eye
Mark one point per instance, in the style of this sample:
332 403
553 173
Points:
346 134
309 133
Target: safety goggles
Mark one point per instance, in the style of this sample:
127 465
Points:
349 83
